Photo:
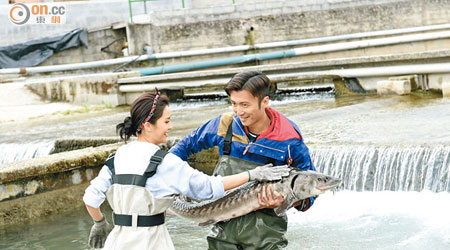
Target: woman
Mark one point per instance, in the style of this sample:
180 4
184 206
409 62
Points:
140 181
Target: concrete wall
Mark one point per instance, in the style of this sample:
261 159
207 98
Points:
438 81
70 144
51 172
97 39
284 20
54 184
42 186
168 28
230 25
97 16
83 89
80 14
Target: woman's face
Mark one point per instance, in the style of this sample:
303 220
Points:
160 130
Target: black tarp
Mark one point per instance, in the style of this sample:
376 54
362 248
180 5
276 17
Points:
34 52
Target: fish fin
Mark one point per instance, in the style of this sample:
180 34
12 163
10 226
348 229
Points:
288 202
207 223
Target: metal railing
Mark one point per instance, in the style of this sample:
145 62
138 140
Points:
145 6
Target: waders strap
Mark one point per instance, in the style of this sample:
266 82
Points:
142 220
228 139
133 179
154 162
130 179
110 164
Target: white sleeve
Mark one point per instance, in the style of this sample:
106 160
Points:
175 176
95 195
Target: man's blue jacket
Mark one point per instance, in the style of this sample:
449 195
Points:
281 144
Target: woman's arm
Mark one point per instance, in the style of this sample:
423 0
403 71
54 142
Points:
262 173
175 176
100 229
94 195
95 213
232 181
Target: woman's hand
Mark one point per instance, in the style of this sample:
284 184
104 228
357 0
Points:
268 173
99 233
269 199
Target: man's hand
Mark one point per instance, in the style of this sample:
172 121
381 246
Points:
267 199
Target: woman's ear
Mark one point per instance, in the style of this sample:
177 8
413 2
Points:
147 126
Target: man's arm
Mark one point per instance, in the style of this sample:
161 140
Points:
203 137
300 156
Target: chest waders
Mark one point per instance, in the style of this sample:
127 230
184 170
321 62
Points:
258 230
138 216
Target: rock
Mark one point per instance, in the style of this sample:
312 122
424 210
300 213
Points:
389 87
446 89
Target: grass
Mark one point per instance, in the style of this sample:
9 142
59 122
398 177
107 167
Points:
84 109
6 121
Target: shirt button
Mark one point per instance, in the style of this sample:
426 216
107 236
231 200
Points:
260 151
281 157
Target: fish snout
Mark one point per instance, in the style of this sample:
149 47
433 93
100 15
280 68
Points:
326 183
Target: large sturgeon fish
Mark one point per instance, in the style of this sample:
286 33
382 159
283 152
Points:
242 200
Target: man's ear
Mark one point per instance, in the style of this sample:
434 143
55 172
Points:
265 101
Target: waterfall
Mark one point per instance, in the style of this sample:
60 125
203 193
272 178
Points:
394 168
12 152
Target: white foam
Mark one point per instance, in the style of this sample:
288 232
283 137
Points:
403 220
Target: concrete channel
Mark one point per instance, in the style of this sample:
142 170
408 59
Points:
54 184
122 88
386 65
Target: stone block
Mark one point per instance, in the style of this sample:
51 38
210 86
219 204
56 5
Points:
446 89
389 87
411 78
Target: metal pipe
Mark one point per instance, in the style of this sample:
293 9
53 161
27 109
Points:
65 67
435 68
352 36
216 62
109 62
371 43
293 52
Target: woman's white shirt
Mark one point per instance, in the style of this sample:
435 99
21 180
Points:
173 176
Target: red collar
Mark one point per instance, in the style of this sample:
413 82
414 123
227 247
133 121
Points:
280 128
272 124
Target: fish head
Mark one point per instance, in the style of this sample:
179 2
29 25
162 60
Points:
309 183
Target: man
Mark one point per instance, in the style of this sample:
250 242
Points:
254 135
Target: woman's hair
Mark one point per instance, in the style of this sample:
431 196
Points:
140 110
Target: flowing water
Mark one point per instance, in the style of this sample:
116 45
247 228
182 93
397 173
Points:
347 220
392 153
397 168
12 152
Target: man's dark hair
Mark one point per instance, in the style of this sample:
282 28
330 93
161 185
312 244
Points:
255 82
